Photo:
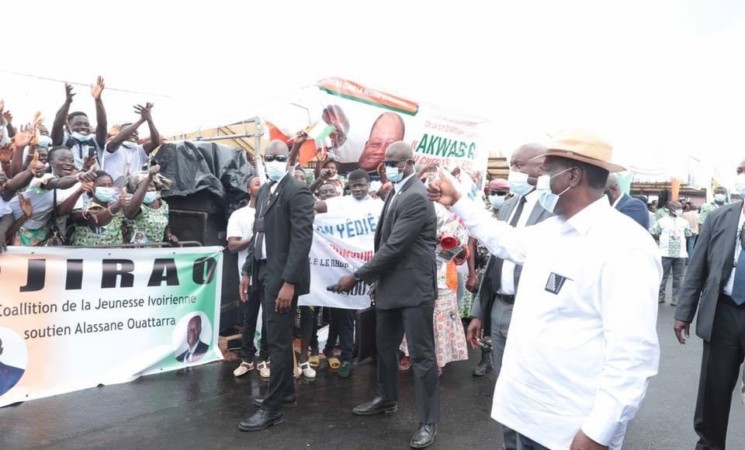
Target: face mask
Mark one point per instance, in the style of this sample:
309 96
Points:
104 194
275 170
740 184
519 183
546 198
496 201
150 196
81 137
678 212
394 174
720 198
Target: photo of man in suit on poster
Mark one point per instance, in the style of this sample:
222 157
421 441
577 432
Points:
196 348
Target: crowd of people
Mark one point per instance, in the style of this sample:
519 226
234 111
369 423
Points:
556 257
78 186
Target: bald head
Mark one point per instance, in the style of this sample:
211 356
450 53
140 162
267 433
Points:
526 159
612 189
276 147
399 151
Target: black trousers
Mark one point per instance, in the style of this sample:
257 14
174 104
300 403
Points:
341 326
279 331
720 370
309 326
250 314
417 323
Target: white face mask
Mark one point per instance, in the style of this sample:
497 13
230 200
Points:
496 201
81 137
275 170
740 184
720 198
678 212
519 183
546 198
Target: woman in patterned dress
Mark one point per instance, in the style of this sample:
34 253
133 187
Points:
99 221
146 214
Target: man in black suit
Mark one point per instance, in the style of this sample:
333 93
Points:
279 272
715 285
197 348
630 206
404 272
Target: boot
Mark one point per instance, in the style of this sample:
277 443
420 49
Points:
485 365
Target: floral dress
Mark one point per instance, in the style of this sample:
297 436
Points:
149 225
93 236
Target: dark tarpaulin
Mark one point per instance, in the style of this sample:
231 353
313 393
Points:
198 166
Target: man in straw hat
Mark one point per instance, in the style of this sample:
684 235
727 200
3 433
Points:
583 342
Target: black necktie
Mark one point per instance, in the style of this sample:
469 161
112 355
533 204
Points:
496 275
259 243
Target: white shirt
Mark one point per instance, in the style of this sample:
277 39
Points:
507 285
738 248
240 225
124 161
41 203
4 207
346 203
583 339
672 232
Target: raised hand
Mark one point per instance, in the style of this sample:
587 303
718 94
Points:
144 111
443 189
90 162
26 207
8 117
89 176
69 93
38 119
152 171
88 187
97 89
6 152
24 135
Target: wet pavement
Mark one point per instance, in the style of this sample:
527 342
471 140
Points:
200 408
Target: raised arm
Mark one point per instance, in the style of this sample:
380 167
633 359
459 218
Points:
123 135
58 127
146 114
101 120
132 209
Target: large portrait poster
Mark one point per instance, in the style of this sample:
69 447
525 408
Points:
366 121
71 319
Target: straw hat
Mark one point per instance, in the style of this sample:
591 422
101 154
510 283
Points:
585 146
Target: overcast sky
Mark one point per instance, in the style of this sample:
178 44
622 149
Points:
661 79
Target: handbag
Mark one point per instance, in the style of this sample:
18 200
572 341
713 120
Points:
55 235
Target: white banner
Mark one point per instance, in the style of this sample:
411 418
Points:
343 241
72 319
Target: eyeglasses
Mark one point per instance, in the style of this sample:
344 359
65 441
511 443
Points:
497 192
392 163
278 158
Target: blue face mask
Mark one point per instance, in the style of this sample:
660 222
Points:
394 174
150 196
81 137
275 170
546 198
496 201
519 183
104 194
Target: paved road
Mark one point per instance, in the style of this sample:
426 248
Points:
200 408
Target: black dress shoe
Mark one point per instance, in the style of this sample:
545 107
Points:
424 436
376 406
260 420
288 402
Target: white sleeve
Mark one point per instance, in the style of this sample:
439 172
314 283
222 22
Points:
234 225
498 237
629 284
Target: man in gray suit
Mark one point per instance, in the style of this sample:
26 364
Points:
715 285
496 296
404 272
